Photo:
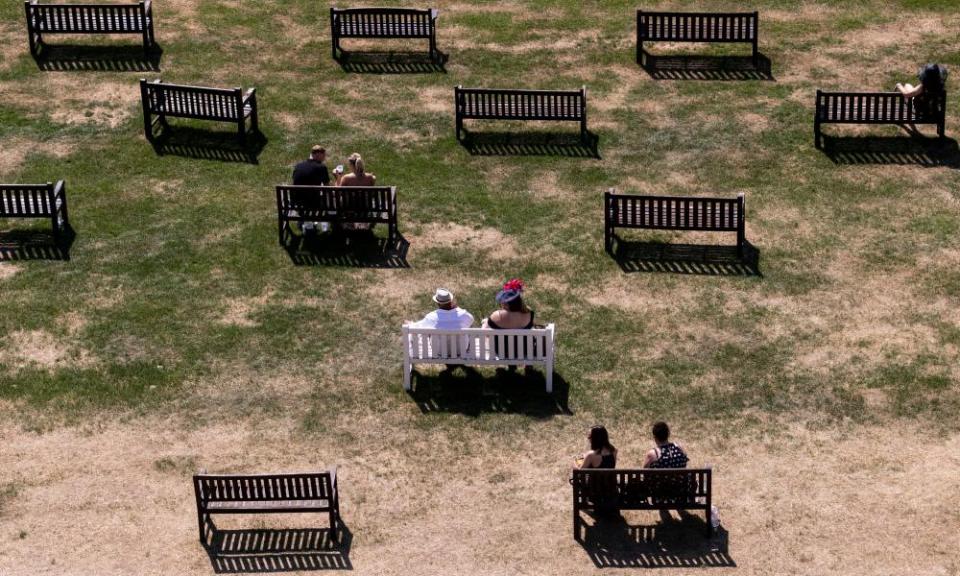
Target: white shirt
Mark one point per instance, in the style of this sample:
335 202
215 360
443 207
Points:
447 319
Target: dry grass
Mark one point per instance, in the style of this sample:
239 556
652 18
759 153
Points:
484 492
838 503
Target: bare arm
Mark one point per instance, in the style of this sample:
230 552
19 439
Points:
910 91
650 458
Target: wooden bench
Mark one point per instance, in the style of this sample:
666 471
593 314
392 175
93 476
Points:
346 204
478 347
88 19
877 108
215 104
598 490
708 27
496 104
384 23
267 494
673 213
37 201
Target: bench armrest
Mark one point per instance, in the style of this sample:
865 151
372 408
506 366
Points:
250 95
148 8
434 13
58 189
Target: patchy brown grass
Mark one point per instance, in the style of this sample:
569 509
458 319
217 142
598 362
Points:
89 477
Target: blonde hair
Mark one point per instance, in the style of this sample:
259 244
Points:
357 162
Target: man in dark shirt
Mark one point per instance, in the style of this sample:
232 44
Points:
312 172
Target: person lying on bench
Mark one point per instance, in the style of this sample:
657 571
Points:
933 82
447 316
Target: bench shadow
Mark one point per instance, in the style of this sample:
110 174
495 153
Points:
531 144
706 260
355 249
22 245
81 58
464 390
613 543
222 146
263 551
392 63
692 67
915 150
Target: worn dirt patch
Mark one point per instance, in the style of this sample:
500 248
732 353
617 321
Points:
8 270
15 151
466 239
40 349
239 311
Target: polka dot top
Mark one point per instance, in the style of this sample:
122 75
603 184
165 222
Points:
670 456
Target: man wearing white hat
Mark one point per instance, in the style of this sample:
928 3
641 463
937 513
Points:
447 316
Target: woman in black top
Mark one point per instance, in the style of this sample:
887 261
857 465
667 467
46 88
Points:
513 313
933 82
602 453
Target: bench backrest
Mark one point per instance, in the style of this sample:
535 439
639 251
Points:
88 18
487 103
263 487
674 213
382 22
633 487
697 26
478 345
27 200
192 101
879 107
345 200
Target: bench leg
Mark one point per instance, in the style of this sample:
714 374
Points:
459 128
334 532
576 525
242 132
817 136
407 375
202 526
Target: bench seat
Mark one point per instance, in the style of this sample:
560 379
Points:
88 18
396 23
877 108
478 347
283 493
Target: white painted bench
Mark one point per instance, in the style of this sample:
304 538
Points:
477 347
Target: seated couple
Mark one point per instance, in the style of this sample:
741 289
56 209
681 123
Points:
313 172
512 315
602 454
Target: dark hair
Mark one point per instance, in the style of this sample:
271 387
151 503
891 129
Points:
516 305
599 439
933 77
661 432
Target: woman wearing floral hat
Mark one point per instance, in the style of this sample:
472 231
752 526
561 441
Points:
513 313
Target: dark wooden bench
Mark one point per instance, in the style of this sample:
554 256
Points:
267 494
42 201
496 104
384 23
673 213
347 204
599 490
215 104
878 108
710 27
88 19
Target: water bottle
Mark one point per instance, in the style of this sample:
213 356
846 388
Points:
714 517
